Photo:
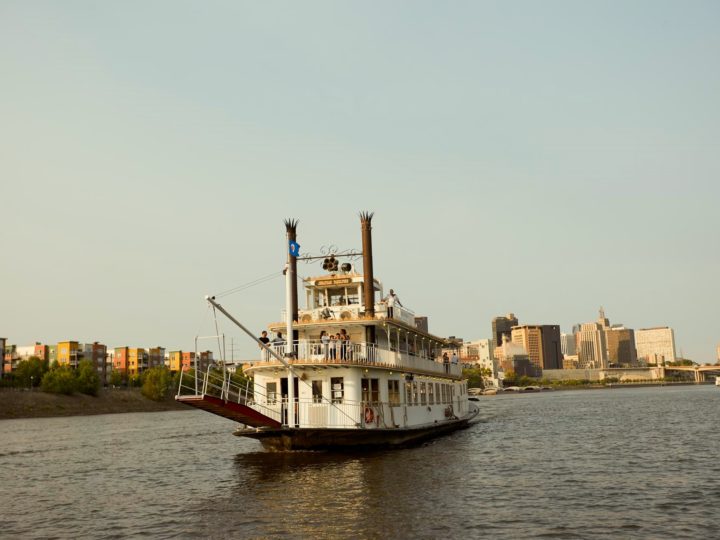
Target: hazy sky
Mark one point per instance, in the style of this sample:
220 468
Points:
544 158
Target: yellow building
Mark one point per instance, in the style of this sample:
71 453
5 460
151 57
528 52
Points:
137 361
68 353
175 361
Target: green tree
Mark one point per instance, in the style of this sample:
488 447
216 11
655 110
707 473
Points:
88 380
30 372
511 378
157 383
474 377
60 380
116 378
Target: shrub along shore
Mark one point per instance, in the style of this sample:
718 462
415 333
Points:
23 403
36 389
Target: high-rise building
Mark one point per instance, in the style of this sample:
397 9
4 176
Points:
655 345
542 343
513 357
603 321
621 346
591 346
502 326
567 344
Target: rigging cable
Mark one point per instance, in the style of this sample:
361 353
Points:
249 284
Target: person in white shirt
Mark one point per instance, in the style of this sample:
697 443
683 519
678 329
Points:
392 299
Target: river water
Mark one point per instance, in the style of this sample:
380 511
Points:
620 463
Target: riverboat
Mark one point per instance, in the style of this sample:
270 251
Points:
382 383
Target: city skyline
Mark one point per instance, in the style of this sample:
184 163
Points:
540 159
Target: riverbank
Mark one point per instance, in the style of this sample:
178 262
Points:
37 404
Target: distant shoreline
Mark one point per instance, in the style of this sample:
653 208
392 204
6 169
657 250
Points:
16 403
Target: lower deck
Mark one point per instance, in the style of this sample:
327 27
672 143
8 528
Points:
350 398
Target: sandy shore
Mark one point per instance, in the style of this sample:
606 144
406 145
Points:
37 404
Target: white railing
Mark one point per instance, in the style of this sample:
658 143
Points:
352 311
346 352
211 384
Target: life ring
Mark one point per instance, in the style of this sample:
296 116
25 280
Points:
369 415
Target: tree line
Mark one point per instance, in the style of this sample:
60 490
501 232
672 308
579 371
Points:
157 383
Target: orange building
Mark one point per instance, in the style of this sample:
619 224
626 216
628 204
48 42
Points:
120 360
203 361
41 351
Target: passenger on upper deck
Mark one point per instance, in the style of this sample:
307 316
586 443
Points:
391 299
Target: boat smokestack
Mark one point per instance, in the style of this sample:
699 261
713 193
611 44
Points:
291 230
368 277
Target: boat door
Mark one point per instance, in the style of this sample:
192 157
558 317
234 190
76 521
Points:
284 393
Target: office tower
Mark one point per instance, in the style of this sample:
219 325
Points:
621 346
542 343
567 344
591 346
655 345
502 326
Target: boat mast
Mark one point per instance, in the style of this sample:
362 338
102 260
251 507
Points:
290 311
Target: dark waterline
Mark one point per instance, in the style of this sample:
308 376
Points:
622 463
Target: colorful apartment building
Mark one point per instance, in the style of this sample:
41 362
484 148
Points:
204 360
156 357
11 359
120 360
137 361
175 361
68 353
42 352
130 361
95 353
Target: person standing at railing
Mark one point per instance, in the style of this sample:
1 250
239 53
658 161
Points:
446 362
344 344
279 343
265 340
332 345
391 300
325 341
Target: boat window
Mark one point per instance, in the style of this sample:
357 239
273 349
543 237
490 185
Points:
408 393
317 391
394 392
416 394
431 394
337 297
271 392
423 394
320 299
444 393
338 389
352 295
437 393
370 390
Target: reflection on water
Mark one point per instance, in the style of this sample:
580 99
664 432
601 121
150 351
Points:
581 464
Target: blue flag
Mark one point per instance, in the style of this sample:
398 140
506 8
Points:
294 248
